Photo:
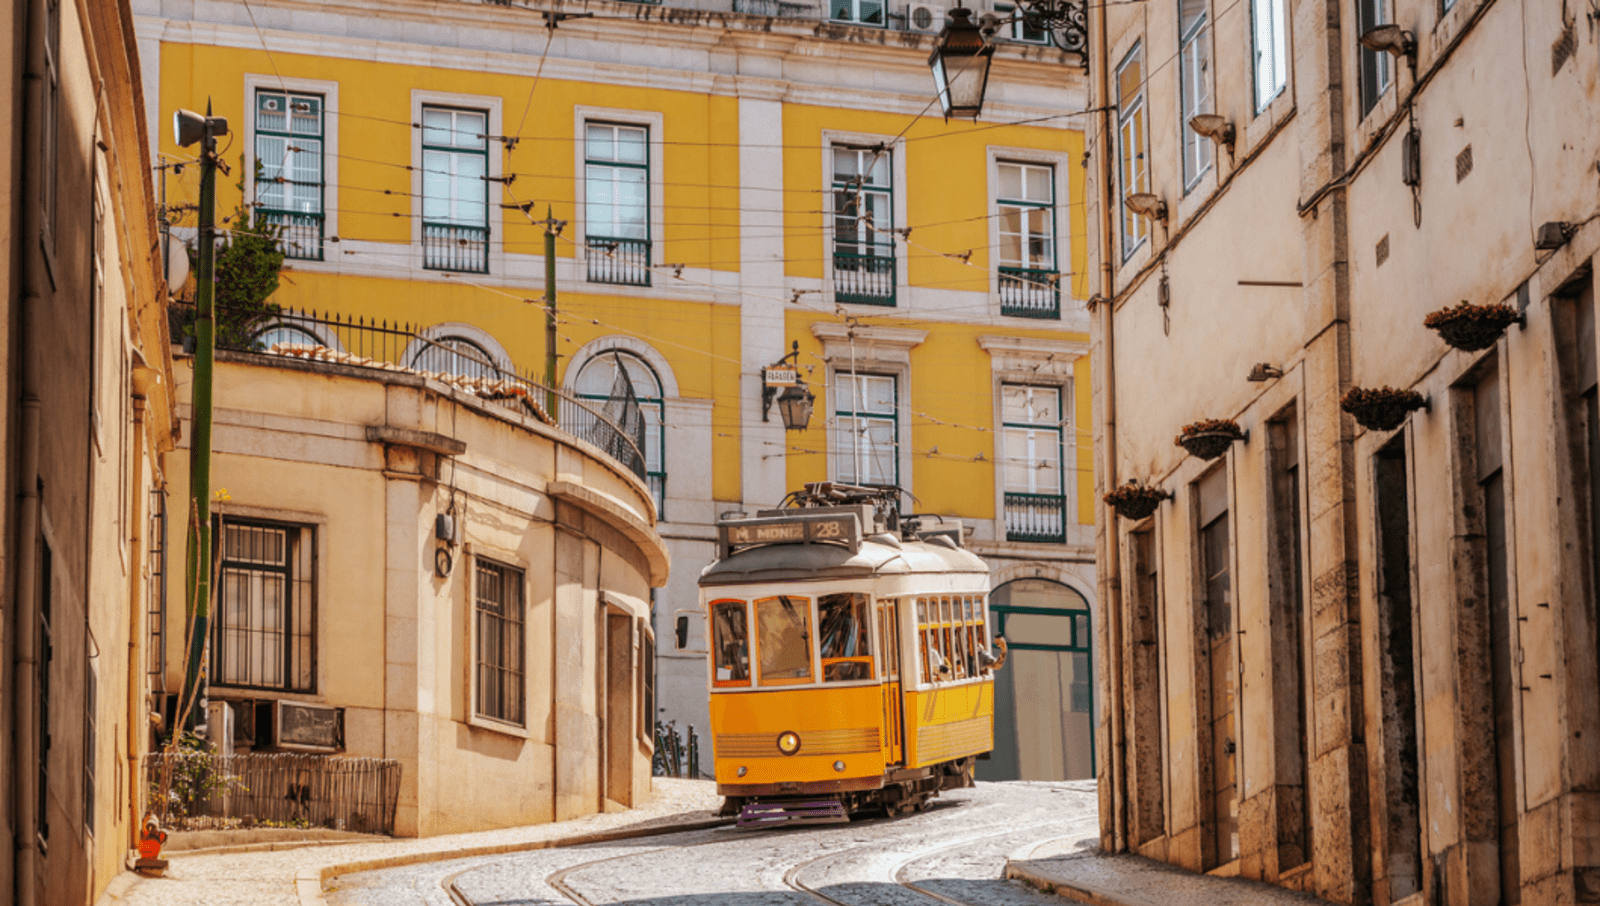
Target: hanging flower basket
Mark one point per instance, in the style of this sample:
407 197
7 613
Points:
1471 327
1210 437
1383 408
1136 501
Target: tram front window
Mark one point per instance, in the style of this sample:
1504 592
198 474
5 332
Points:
785 627
846 648
730 641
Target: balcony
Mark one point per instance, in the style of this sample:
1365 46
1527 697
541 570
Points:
299 235
863 279
1027 292
447 247
1037 518
621 261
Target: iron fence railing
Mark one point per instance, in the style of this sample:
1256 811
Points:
449 247
1028 292
300 235
863 279
189 788
1036 517
623 261
615 425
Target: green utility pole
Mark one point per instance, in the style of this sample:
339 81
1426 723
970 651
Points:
191 127
552 228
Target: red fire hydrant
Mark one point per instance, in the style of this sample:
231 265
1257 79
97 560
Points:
151 836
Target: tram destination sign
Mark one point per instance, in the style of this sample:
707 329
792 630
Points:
837 527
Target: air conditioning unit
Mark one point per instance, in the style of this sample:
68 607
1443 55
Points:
926 17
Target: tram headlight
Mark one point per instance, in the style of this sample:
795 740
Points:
742 770
838 765
789 742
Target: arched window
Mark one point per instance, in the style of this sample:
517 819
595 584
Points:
282 333
595 382
457 355
1044 696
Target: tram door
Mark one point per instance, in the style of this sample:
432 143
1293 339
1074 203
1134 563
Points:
889 657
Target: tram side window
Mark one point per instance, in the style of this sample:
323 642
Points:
923 640
730 642
785 626
958 640
843 628
980 632
934 624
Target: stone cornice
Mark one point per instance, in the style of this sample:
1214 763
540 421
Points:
1033 347
872 344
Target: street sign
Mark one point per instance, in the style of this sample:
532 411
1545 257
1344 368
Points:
781 376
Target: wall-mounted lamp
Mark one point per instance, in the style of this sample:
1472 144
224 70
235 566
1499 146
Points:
795 400
1264 372
1214 126
960 64
1392 39
1146 204
1553 235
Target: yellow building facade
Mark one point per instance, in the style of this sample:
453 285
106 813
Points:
729 185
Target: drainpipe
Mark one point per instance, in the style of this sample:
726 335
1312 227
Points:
1110 562
144 378
24 629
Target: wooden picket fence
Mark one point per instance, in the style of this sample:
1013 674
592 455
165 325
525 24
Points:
280 789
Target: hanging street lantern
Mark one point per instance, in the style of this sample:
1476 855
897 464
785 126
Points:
960 64
794 403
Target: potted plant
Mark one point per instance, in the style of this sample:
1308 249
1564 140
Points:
1134 500
1209 438
1381 408
1471 327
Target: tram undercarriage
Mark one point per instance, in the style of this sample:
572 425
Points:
903 791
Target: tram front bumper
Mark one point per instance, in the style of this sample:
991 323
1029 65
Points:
801 788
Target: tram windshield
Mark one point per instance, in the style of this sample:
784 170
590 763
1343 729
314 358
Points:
785 626
730 643
846 646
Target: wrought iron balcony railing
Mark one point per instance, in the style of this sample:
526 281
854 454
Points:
622 261
300 235
863 279
448 247
1028 292
1038 518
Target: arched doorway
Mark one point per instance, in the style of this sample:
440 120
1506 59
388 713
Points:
1047 731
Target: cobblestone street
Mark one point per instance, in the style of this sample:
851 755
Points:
954 852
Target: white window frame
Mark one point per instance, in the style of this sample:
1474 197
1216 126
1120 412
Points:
1383 13
855 9
655 125
330 155
1060 223
1137 116
1198 155
496 195
897 177
1276 31
1017 29
1038 363
844 443
878 350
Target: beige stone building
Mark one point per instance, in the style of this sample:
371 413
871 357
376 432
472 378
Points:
85 412
1352 660
429 571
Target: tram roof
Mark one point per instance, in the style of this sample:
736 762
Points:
820 562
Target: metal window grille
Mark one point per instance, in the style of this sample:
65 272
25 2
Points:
616 160
1029 279
864 271
1133 166
157 606
500 642
1034 474
289 179
1194 85
866 429
265 607
455 190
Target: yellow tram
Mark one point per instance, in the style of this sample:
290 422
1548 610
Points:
850 659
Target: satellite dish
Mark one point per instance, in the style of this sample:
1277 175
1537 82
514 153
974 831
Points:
177 266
